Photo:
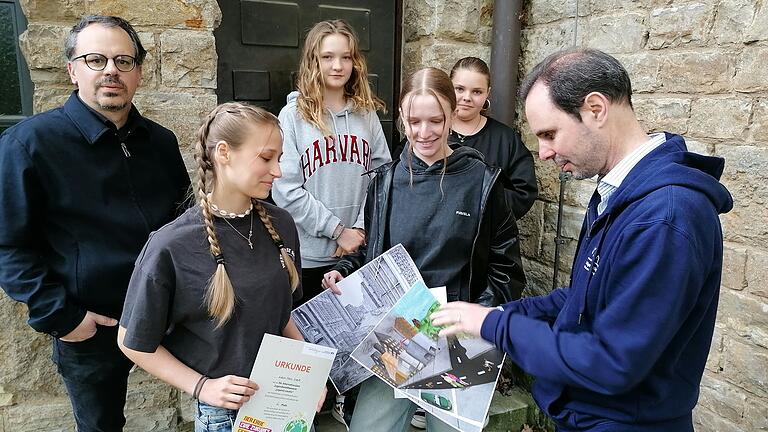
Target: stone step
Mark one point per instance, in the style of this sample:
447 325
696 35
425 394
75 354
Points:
508 413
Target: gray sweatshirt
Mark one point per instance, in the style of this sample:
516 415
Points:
324 181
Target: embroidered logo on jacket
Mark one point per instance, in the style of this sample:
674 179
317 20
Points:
334 149
463 213
592 262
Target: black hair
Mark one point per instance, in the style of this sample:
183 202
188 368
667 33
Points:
572 74
106 21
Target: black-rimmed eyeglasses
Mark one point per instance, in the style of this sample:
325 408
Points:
98 62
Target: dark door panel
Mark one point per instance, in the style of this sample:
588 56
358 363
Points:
259 44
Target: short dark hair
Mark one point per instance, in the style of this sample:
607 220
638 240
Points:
572 74
473 64
106 21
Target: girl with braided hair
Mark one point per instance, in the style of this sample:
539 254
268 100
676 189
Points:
210 284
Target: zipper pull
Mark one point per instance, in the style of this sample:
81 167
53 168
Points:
579 319
125 150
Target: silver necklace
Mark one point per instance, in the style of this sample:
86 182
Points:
474 131
250 231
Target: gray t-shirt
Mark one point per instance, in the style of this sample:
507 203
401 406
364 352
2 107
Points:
165 304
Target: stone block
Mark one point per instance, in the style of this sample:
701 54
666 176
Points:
723 398
577 192
732 19
687 24
461 21
723 118
507 412
595 7
149 69
539 41
714 359
756 276
658 114
542 12
624 33
744 315
43 46
530 227
747 180
151 420
539 278
188 59
440 54
150 13
46 98
745 366
750 70
705 420
756 414
419 19
180 112
734 267
699 147
53 11
52 415
758 129
643 69
758 29
706 72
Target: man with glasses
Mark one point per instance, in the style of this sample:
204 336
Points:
83 187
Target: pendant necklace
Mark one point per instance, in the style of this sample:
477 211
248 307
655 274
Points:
474 131
250 231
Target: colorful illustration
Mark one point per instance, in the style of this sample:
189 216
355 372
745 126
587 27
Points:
297 425
436 400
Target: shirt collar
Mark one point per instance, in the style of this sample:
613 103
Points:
92 124
616 176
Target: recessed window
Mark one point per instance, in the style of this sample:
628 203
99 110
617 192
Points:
16 91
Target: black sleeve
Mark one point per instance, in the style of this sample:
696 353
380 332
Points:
520 177
23 272
506 278
185 193
148 300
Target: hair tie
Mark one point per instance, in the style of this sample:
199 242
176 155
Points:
279 244
219 259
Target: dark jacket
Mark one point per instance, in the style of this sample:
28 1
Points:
77 203
495 274
624 347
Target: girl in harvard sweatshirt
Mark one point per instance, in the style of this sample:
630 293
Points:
332 139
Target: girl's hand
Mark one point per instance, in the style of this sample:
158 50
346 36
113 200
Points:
330 279
228 391
350 240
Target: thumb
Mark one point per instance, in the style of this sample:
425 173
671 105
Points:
104 320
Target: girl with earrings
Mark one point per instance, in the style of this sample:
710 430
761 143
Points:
333 139
500 144
447 207
210 284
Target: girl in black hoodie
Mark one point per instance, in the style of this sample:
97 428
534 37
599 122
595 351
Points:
447 207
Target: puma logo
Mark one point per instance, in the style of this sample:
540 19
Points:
463 213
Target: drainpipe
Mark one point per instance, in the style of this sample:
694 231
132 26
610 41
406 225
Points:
505 53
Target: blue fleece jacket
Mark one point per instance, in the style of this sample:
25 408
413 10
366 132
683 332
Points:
623 348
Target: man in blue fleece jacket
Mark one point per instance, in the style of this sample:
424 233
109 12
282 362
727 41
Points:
622 348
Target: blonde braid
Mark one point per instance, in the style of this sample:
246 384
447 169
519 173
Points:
290 266
220 295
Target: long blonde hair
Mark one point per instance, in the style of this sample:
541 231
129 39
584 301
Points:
430 82
310 81
230 122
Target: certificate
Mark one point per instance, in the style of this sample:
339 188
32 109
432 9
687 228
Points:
291 375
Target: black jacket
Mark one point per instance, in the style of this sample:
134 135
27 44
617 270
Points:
77 203
495 275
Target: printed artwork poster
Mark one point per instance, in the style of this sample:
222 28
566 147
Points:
343 321
451 378
291 375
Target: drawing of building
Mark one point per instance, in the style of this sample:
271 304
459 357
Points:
405 328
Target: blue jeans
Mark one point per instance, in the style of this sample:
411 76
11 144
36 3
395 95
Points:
95 373
378 410
213 419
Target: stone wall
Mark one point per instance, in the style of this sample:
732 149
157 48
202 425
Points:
698 69
178 89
